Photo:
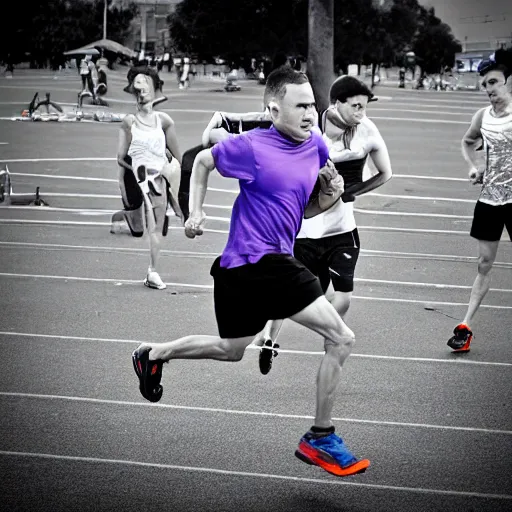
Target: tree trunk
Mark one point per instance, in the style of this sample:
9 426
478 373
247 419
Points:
321 49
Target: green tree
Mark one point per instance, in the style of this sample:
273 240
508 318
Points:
434 44
41 32
237 29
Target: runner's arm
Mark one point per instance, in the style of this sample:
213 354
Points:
471 142
209 137
203 165
380 158
123 145
171 140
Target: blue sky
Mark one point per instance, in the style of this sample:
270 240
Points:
478 20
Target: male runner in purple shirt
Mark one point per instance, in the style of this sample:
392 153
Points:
257 278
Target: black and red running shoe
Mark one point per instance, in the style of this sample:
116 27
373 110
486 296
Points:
461 339
149 374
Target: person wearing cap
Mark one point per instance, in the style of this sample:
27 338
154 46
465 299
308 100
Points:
328 244
491 125
148 180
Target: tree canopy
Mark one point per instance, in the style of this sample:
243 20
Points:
41 31
365 31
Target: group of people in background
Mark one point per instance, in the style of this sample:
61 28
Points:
293 243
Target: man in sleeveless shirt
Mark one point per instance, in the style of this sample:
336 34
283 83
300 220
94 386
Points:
328 244
493 211
257 277
147 179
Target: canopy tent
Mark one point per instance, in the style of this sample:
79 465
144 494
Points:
85 50
103 44
113 46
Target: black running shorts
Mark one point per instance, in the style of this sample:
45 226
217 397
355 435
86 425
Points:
489 221
246 297
332 258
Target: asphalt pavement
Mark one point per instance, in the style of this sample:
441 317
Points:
76 433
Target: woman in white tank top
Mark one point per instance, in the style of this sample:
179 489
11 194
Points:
147 137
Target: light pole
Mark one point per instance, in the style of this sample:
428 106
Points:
105 19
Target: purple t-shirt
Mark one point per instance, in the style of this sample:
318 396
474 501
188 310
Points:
276 178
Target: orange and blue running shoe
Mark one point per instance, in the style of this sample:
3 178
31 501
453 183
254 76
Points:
330 453
149 374
461 340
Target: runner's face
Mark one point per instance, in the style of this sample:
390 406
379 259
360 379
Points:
495 86
295 115
144 89
353 110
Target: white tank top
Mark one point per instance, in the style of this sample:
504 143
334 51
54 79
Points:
497 179
340 217
148 145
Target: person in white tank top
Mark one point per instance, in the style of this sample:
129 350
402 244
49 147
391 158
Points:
328 243
491 126
148 179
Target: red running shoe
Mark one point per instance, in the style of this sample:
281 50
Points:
462 338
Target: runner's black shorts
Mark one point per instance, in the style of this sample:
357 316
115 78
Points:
332 258
246 297
489 221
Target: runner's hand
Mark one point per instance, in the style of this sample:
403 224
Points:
476 176
215 122
331 183
193 225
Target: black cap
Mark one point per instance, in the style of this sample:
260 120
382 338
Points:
143 70
500 60
346 87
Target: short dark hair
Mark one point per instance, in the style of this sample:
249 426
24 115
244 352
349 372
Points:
279 79
143 70
500 60
346 87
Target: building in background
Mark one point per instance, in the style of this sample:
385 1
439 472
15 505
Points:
150 30
480 26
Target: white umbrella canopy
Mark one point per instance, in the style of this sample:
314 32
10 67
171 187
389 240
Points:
103 44
85 50
113 46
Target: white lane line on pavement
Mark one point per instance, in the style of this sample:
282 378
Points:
413 214
404 176
420 198
75 159
419 177
54 176
210 287
3 143
86 223
82 211
378 194
284 351
101 280
435 107
108 249
266 476
419 120
445 112
99 211
426 285
221 231
415 230
357 279
369 252
426 302
252 413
